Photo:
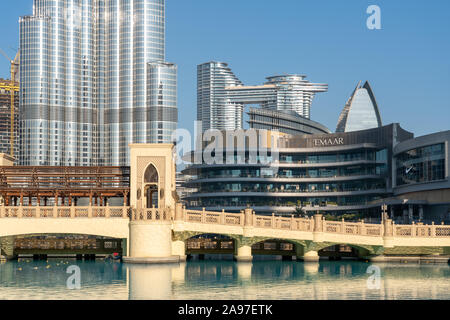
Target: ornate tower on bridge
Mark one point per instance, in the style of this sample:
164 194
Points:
153 200
152 175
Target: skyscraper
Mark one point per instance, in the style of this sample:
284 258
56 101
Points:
222 96
85 80
360 112
213 107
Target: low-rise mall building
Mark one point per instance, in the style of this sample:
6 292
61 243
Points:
340 173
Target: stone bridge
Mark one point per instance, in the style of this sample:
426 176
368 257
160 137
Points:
171 230
161 235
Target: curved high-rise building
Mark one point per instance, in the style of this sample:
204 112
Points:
213 107
85 79
360 112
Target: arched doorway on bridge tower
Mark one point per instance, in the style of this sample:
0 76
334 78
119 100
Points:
152 176
151 187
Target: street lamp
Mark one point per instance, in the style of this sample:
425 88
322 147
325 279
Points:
383 212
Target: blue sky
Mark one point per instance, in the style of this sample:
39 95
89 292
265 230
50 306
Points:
407 62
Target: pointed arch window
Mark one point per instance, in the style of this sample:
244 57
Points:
151 175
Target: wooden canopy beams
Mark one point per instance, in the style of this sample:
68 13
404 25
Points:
63 184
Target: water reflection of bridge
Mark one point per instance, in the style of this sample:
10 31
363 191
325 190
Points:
213 244
216 280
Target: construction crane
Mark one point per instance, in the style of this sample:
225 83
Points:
13 88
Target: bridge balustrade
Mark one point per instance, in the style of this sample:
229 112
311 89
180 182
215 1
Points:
247 218
308 224
152 214
211 217
64 212
417 230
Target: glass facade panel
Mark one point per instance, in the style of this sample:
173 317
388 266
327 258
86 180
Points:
360 112
421 165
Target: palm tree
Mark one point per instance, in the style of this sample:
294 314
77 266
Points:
299 212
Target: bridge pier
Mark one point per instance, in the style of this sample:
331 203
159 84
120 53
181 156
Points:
305 255
179 249
151 242
244 254
311 256
7 248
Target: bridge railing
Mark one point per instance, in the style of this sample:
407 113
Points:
152 214
316 223
22 212
211 217
420 230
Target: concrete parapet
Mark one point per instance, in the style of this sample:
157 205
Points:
179 249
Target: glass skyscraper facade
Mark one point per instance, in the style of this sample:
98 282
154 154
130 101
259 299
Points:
161 102
85 80
360 112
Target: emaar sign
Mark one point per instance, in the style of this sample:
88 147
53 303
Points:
328 142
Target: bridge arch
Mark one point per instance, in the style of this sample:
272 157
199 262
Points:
209 243
187 235
340 250
60 243
278 247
